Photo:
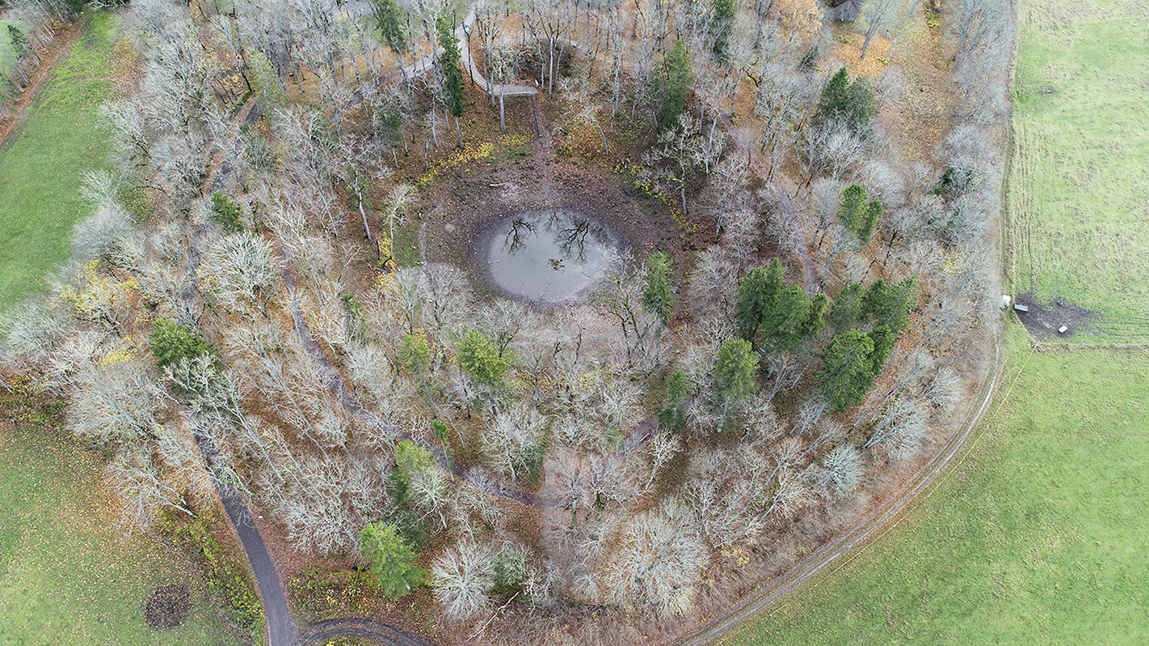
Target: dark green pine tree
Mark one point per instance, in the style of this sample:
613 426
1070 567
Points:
736 370
782 323
847 308
884 340
659 294
389 22
390 559
452 74
889 304
672 416
854 103
171 343
672 84
479 357
755 295
815 318
847 370
834 97
721 22
857 214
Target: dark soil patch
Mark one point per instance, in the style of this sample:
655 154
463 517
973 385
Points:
482 198
168 607
1043 320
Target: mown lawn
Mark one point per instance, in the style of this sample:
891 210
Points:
6 53
1079 226
40 166
1037 537
67 575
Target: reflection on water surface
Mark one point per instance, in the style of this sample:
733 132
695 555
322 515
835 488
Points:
549 256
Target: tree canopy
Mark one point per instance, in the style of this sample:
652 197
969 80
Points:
480 358
227 213
675 77
852 103
847 369
736 369
449 65
659 294
389 22
857 214
389 558
778 314
170 343
415 354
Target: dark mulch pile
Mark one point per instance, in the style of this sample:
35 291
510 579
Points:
168 607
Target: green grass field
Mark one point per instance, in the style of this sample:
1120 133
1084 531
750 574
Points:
66 574
40 167
6 53
1037 537
1078 218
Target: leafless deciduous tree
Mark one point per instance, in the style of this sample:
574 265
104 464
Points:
462 578
241 268
656 560
513 441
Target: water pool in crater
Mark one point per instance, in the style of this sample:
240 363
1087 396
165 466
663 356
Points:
548 257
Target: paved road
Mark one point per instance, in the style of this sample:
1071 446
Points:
280 623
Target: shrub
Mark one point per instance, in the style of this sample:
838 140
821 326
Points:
171 343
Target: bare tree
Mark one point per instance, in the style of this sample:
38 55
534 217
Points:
656 560
513 441
462 579
240 269
838 473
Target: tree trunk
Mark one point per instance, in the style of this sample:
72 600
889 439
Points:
364 214
869 35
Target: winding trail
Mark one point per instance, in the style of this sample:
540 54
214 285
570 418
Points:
360 627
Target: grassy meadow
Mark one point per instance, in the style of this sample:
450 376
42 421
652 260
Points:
1035 537
67 575
1079 224
40 166
6 53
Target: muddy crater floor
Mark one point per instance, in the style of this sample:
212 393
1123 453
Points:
475 215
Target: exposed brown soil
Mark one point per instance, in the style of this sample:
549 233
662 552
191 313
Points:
478 201
1043 320
476 198
168 607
